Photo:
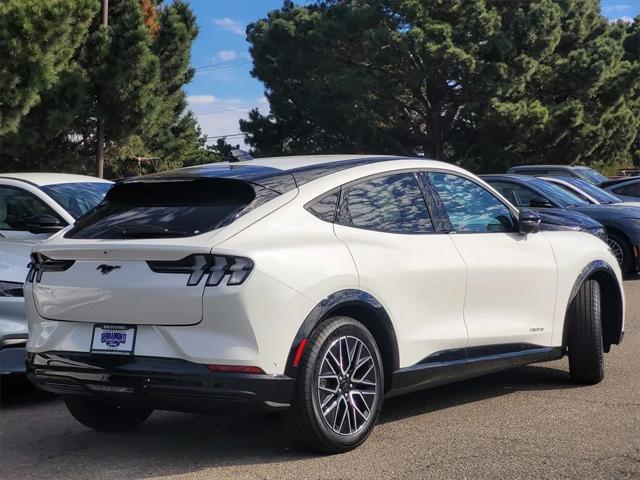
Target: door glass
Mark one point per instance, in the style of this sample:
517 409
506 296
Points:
392 203
17 206
632 190
517 194
470 207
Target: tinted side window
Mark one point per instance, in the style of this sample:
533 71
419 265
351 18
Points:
517 194
470 207
17 206
392 203
632 190
325 208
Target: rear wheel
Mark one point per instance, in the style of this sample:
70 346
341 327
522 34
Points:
339 390
586 358
107 417
620 248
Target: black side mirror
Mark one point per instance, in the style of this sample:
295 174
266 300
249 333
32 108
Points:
539 202
44 223
528 221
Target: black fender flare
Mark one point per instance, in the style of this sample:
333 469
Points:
341 301
611 300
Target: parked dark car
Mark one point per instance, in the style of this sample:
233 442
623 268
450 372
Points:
621 222
626 189
585 173
586 191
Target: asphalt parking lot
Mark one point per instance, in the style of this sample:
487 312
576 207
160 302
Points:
526 423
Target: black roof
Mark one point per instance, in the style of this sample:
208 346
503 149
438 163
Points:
275 179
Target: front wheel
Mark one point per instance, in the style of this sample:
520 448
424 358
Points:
586 358
107 417
621 250
340 385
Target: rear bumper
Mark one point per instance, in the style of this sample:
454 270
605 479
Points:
13 354
160 383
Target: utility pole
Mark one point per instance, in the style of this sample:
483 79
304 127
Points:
100 140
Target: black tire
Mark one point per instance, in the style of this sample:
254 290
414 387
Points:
103 416
309 427
586 357
620 244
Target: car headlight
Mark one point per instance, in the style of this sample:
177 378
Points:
11 289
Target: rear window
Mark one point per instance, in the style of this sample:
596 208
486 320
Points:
176 208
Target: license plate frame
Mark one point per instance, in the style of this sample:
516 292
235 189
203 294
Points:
113 339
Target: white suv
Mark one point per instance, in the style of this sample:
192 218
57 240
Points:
323 284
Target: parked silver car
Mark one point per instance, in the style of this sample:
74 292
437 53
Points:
13 326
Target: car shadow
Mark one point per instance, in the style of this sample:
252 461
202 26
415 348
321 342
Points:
174 444
17 392
533 377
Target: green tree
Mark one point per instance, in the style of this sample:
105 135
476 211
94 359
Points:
131 75
483 82
38 38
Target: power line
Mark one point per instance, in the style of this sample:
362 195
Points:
245 109
231 135
220 65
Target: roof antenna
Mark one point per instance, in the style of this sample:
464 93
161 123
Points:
240 156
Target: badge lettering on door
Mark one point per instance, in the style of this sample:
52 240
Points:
536 329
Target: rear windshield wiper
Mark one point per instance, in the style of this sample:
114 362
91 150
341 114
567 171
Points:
133 231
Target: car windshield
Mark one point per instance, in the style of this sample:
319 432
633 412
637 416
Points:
78 198
590 175
557 194
599 194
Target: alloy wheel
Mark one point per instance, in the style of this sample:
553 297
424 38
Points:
617 250
347 385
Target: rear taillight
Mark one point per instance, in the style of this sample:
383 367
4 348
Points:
213 267
41 263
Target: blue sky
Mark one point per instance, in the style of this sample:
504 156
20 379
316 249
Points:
223 90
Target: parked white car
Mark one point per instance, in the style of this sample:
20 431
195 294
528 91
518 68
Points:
318 284
33 206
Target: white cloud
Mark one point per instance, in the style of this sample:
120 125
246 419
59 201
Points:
226 55
201 99
624 19
227 23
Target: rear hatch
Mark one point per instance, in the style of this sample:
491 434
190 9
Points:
142 256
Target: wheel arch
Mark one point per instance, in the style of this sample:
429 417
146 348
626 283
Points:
360 306
611 298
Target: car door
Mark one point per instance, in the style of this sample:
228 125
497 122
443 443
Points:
511 278
17 206
403 260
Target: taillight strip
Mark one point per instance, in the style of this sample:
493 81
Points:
214 267
41 263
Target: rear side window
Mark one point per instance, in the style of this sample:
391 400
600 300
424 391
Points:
325 208
157 209
632 190
392 203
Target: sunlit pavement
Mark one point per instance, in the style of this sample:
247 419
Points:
526 423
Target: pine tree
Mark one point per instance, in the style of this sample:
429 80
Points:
130 74
486 83
38 39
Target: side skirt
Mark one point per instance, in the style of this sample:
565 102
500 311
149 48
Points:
447 367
